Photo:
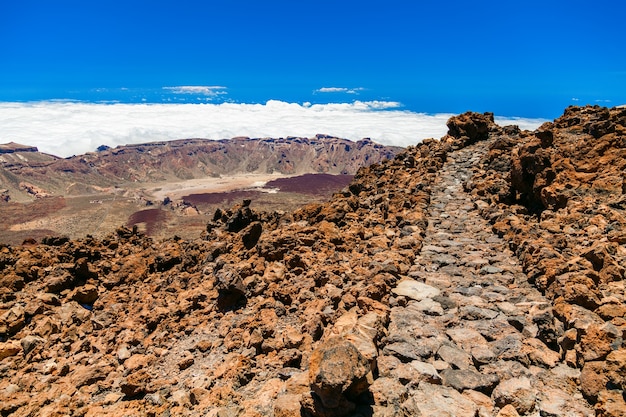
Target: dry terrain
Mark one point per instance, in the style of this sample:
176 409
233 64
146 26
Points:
478 275
157 186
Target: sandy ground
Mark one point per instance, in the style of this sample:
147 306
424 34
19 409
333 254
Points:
176 190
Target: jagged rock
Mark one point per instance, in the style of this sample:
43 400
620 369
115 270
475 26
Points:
485 403
30 342
8 349
470 127
444 281
181 397
416 290
463 379
230 285
611 403
61 280
455 357
473 342
593 379
407 351
556 402
84 375
508 411
135 384
417 371
598 341
436 400
13 320
616 368
186 363
338 374
87 294
539 354
517 392
12 282
288 405
242 217
251 234
388 392
363 332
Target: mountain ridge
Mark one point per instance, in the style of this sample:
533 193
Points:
185 159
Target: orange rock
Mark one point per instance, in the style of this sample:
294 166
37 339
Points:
338 372
8 349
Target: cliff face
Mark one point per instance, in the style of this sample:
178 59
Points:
13 147
481 274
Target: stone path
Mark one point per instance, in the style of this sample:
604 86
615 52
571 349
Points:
467 334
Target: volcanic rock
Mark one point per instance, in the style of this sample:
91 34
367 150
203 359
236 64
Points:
480 274
518 392
338 375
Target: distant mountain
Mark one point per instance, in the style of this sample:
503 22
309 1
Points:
183 159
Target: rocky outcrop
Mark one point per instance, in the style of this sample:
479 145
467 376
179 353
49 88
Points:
33 190
558 196
469 128
13 147
440 282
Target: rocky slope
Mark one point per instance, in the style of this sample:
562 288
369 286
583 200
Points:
183 160
478 275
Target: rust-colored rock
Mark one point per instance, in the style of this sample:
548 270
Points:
480 274
338 375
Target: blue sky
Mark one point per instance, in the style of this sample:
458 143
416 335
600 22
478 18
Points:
529 59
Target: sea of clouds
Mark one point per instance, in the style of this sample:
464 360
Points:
72 128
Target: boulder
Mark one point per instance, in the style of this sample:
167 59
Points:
415 290
464 379
437 400
517 392
338 373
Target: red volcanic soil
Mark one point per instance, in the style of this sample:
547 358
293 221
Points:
220 198
151 217
312 184
323 185
15 213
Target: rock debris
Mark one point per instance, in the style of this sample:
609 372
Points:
477 275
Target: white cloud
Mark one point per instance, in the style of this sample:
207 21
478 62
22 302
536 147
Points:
67 128
212 90
339 90
524 123
331 90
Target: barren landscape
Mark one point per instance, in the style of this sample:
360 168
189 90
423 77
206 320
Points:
312 209
94 193
479 275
